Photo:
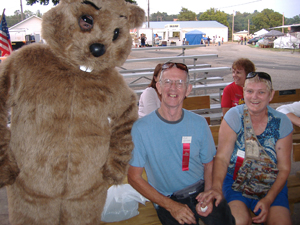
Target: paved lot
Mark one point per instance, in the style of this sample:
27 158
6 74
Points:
281 65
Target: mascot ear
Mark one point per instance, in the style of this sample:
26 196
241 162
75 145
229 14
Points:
136 15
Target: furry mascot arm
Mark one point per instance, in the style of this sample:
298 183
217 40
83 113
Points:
8 167
121 145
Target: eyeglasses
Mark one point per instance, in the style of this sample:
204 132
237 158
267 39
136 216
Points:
178 83
261 75
177 65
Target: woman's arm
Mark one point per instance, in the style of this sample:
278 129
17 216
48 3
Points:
227 139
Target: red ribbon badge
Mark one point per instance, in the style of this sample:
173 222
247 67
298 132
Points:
185 156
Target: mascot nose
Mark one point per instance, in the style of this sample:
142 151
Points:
97 49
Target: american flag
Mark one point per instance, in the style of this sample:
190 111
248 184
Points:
5 44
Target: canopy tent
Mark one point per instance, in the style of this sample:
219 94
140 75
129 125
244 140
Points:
286 42
273 33
260 33
194 37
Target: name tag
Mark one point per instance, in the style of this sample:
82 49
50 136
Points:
187 139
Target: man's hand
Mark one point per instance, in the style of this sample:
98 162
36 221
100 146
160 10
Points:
200 208
182 213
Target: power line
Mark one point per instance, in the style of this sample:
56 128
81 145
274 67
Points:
246 3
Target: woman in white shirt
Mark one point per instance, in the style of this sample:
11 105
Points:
150 98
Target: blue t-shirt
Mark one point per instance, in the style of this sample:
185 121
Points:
279 126
158 147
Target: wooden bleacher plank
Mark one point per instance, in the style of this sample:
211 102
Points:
215 133
293 181
282 96
196 102
294 194
296 152
296 134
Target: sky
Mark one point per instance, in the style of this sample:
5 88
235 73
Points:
289 8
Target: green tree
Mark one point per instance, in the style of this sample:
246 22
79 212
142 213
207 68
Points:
12 20
294 20
186 15
55 2
215 15
28 13
162 17
267 19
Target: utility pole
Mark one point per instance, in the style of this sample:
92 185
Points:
283 22
148 15
22 16
232 26
248 27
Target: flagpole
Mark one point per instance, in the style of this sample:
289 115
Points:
2 15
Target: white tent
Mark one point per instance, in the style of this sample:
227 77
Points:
260 32
286 42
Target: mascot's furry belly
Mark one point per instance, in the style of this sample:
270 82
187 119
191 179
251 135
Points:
60 134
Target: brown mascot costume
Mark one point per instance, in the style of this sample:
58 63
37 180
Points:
71 114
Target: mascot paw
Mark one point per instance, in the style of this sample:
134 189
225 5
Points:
8 172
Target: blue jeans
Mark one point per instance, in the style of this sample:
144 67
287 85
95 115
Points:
220 215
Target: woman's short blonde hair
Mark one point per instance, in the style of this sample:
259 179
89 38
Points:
257 79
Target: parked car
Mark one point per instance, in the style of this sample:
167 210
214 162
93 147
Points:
253 40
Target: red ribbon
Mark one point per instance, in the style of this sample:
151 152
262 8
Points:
185 156
238 164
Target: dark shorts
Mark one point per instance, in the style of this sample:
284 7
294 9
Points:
231 195
220 215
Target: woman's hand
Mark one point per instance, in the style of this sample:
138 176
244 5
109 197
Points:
209 196
264 205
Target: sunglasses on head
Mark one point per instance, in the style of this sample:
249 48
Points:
261 75
177 65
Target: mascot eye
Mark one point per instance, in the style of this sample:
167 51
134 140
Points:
116 33
86 22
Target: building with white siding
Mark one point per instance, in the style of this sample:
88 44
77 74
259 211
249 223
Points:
175 30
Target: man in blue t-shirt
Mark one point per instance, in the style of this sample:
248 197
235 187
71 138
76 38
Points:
176 149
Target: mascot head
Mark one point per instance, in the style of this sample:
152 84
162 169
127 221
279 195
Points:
91 34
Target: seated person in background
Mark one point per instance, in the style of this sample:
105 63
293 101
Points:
256 132
150 98
176 148
233 93
292 111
